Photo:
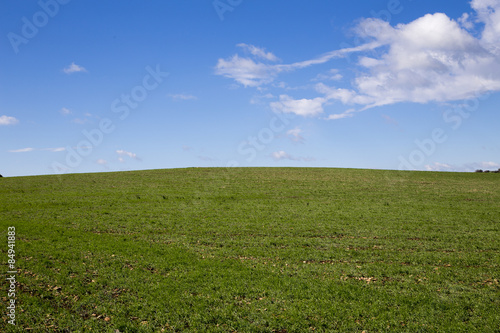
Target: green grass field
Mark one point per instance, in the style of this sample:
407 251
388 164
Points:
254 250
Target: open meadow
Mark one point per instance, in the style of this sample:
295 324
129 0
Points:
253 250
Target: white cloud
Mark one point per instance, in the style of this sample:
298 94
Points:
295 135
65 111
327 57
431 59
282 155
252 73
6 120
258 99
482 165
86 119
258 52
183 97
102 162
468 167
22 150
346 96
245 71
465 21
488 12
122 153
74 68
345 114
301 107
331 75
436 166
25 150
54 150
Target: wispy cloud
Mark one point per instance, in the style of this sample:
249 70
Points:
393 122
258 52
74 68
282 155
390 120
26 150
329 56
65 111
259 99
301 107
123 153
295 135
253 73
103 163
54 150
246 71
331 75
346 96
482 165
86 119
436 166
346 114
6 120
22 150
467 167
182 97
431 59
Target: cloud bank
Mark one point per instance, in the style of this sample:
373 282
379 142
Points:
468 167
432 59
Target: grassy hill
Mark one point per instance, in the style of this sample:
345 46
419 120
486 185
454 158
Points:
254 250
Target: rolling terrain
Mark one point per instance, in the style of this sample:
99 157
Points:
254 250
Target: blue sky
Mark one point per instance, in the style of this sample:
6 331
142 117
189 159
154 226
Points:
91 86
